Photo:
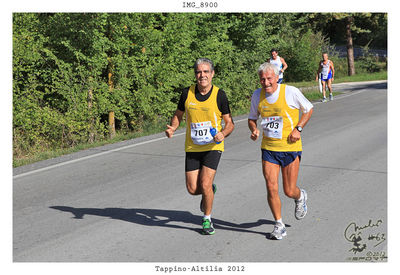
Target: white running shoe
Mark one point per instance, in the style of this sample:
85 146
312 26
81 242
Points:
279 231
301 206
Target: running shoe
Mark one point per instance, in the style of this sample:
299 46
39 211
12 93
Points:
208 228
331 97
279 231
214 187
301 206
324 99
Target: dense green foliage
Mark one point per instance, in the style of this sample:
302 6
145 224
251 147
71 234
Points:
71 69
368 28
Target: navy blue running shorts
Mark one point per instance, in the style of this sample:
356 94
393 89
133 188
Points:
194 160
281 158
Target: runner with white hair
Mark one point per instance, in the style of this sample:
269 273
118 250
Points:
281 146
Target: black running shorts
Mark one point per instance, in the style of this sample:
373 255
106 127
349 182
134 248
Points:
194 160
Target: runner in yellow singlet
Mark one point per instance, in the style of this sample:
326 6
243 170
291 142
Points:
281 146
205 106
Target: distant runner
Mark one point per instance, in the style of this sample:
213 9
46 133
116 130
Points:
279 62
326 72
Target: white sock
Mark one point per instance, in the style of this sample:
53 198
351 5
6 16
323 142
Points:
207 217
280 221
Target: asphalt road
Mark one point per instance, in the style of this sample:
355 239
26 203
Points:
128 203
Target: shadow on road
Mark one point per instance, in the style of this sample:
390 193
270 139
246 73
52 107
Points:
163 218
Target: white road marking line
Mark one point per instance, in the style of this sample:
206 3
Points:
91 156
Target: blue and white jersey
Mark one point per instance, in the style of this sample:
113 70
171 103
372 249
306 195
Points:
326 70
277 62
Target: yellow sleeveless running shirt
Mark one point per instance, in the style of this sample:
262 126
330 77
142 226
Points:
200 117
278 121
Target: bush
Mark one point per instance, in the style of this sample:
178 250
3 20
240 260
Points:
302 55
369 62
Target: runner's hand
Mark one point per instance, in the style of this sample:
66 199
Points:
170 131
255 134
294 135
219 137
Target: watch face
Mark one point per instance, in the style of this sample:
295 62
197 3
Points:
299 128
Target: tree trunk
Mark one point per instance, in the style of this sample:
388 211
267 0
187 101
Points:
91 118
111 117
111 123
350 49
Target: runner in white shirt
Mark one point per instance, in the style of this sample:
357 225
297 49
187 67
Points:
279 62
279 106
326 71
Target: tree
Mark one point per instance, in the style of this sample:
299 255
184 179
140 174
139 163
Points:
348 26
349 45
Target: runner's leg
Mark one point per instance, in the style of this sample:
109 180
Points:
289 178
324 88
192 182
271 175
330 85
206 180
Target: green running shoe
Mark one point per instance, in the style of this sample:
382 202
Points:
214 187
208 228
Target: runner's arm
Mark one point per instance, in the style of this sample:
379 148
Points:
229 126
223 106
252 123
305 117
295 134
175 121
284 65
296 100
253 115
318 71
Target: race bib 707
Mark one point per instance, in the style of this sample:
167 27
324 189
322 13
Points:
200 132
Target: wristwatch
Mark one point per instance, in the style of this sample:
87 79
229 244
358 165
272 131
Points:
299 128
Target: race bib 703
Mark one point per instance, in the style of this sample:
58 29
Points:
272 126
